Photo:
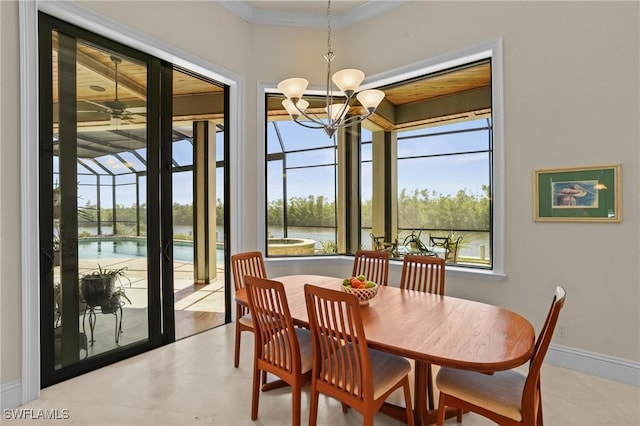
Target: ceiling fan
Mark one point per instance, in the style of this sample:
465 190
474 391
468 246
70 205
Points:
118 110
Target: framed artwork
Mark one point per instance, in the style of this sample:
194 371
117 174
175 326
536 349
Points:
577 194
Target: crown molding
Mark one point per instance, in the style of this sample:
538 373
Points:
308 20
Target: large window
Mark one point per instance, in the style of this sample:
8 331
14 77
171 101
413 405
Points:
420 176
444 188
301 190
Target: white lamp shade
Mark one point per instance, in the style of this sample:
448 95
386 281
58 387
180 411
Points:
370 99
293 87
348 80
337 111
291 109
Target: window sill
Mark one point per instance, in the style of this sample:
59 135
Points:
394 266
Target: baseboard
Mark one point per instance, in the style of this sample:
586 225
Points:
608 367
10 394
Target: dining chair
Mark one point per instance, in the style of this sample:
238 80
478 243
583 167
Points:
426 274
344 367
280 348
423 273
244 264
372 264
506 397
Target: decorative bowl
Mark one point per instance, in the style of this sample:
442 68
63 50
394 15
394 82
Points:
364 295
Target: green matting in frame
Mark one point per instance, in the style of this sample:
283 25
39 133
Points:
577 194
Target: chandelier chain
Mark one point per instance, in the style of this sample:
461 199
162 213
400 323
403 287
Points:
329 28
329 58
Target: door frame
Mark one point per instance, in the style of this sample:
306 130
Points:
94 22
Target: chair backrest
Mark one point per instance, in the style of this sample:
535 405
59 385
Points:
530 394
423 273
372 264
449 245
247 263
275 337
339 343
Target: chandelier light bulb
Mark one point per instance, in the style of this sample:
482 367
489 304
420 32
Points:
291 107
348 80
293 88
370 99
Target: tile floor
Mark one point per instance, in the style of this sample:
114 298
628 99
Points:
193 382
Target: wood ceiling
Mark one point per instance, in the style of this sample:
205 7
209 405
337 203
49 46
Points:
458 94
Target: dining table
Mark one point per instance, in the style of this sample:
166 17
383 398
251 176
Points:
429 329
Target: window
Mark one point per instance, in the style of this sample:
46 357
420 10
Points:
444 189
301 190
427 163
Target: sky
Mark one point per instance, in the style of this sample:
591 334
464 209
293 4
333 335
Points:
444 174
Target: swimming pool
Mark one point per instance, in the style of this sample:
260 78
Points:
119 247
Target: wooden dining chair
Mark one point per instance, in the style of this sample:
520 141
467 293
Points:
244 264
280 348
423 273
372 264
344 367
426 274
506 397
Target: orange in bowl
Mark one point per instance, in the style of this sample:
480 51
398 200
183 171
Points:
363 289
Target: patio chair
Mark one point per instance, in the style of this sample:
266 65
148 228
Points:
448 246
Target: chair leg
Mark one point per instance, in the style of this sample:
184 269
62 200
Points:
539 421
296 397
442 408
345 408
236 355
407 401
255 393
367 418
313 409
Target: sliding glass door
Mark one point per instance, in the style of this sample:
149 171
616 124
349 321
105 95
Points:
110 120
95 244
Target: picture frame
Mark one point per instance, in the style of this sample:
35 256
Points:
577 194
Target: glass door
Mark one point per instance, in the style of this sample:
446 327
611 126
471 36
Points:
133 182
198 165
96 264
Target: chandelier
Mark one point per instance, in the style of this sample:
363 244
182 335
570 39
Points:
347 80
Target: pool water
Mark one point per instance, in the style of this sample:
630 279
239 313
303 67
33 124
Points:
121 247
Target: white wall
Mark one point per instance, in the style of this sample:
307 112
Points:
571 97
10 277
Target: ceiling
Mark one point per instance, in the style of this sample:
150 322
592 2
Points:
308 13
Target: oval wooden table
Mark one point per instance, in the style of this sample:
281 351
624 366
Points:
429 329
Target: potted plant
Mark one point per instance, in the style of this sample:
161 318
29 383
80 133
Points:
98 287
115 302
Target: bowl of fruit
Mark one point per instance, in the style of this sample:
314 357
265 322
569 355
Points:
363 289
